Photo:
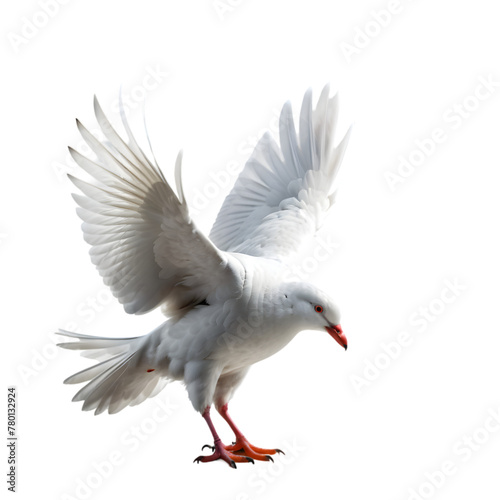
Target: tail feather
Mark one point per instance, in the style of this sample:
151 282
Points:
99 348
142 393
95 338
91 345
89 373
151 392
121 378
93 391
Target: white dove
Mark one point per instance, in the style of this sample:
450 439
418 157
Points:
228 298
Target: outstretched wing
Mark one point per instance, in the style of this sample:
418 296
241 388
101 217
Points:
144 243
284 192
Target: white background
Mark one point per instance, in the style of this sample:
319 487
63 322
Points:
223 71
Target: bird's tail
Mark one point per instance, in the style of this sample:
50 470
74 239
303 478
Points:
121 378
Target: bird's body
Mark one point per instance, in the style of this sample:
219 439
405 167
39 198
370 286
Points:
227 298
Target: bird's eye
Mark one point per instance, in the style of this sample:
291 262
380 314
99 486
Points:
318 309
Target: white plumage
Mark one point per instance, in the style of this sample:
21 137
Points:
226 297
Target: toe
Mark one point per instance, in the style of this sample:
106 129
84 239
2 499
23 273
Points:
220 452
244 448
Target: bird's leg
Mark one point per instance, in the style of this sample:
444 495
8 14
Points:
220 451
241 446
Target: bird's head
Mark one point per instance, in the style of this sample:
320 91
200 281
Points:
317 310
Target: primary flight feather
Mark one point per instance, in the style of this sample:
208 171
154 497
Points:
227 297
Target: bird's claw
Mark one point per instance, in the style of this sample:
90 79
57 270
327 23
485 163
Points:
221 453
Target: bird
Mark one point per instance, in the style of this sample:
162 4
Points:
228 298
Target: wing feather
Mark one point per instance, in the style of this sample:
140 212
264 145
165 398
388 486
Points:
285 190
143 241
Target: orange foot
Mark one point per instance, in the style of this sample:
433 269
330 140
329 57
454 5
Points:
242 447
221 451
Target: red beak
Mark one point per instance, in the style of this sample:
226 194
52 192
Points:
337 334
